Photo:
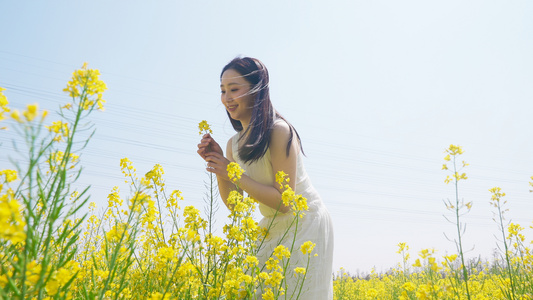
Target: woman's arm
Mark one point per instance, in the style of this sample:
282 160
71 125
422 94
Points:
269 195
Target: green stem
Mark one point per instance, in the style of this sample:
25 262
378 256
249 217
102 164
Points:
458 225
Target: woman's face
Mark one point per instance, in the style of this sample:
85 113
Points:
236 97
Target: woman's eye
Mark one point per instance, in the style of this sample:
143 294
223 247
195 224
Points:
222 92
234 90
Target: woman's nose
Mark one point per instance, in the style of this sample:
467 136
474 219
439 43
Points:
226 98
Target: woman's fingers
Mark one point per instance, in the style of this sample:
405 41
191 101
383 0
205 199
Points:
214 156
217 163
208 144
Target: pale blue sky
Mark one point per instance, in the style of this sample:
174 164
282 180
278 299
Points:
376 89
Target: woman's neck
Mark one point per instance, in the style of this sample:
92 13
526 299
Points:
245 124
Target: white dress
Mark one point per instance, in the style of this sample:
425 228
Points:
315 226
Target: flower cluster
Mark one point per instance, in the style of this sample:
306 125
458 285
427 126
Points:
297 203
452 153
86 88
60 129
11 219
497 195
31 113
234 171
204 127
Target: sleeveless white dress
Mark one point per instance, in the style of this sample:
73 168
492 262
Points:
315 226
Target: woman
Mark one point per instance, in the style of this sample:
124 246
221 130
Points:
266 143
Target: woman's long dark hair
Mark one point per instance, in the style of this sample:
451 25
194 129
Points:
263 113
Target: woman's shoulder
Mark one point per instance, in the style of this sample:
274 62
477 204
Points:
282 133
281 127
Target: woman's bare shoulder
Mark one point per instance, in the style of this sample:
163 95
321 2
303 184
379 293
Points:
281 129
281 135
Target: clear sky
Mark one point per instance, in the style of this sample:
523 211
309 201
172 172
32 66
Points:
376 89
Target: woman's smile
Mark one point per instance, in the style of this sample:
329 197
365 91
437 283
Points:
231 108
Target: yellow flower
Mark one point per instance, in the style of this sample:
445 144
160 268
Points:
3 98
203 126
165 253
307 247
60 128
268 294
234 171
172 201
496 196
417 263
300 204
371 293
86 83
514 229
15 115
299 270
155 175
280 178
281 251
10 175
409 286
425 253
251 260
31 112
288 196
33 271
450 258
114 199
11 219
402 247
454 150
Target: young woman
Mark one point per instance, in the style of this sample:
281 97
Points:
266 143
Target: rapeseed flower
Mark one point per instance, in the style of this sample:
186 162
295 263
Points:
11 219
282 252
86 85
8 175
204 127
281 178
31 112
307 247
61 130
452 152
496 196
234 171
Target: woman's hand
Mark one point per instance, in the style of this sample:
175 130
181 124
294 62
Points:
218 164
207 145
